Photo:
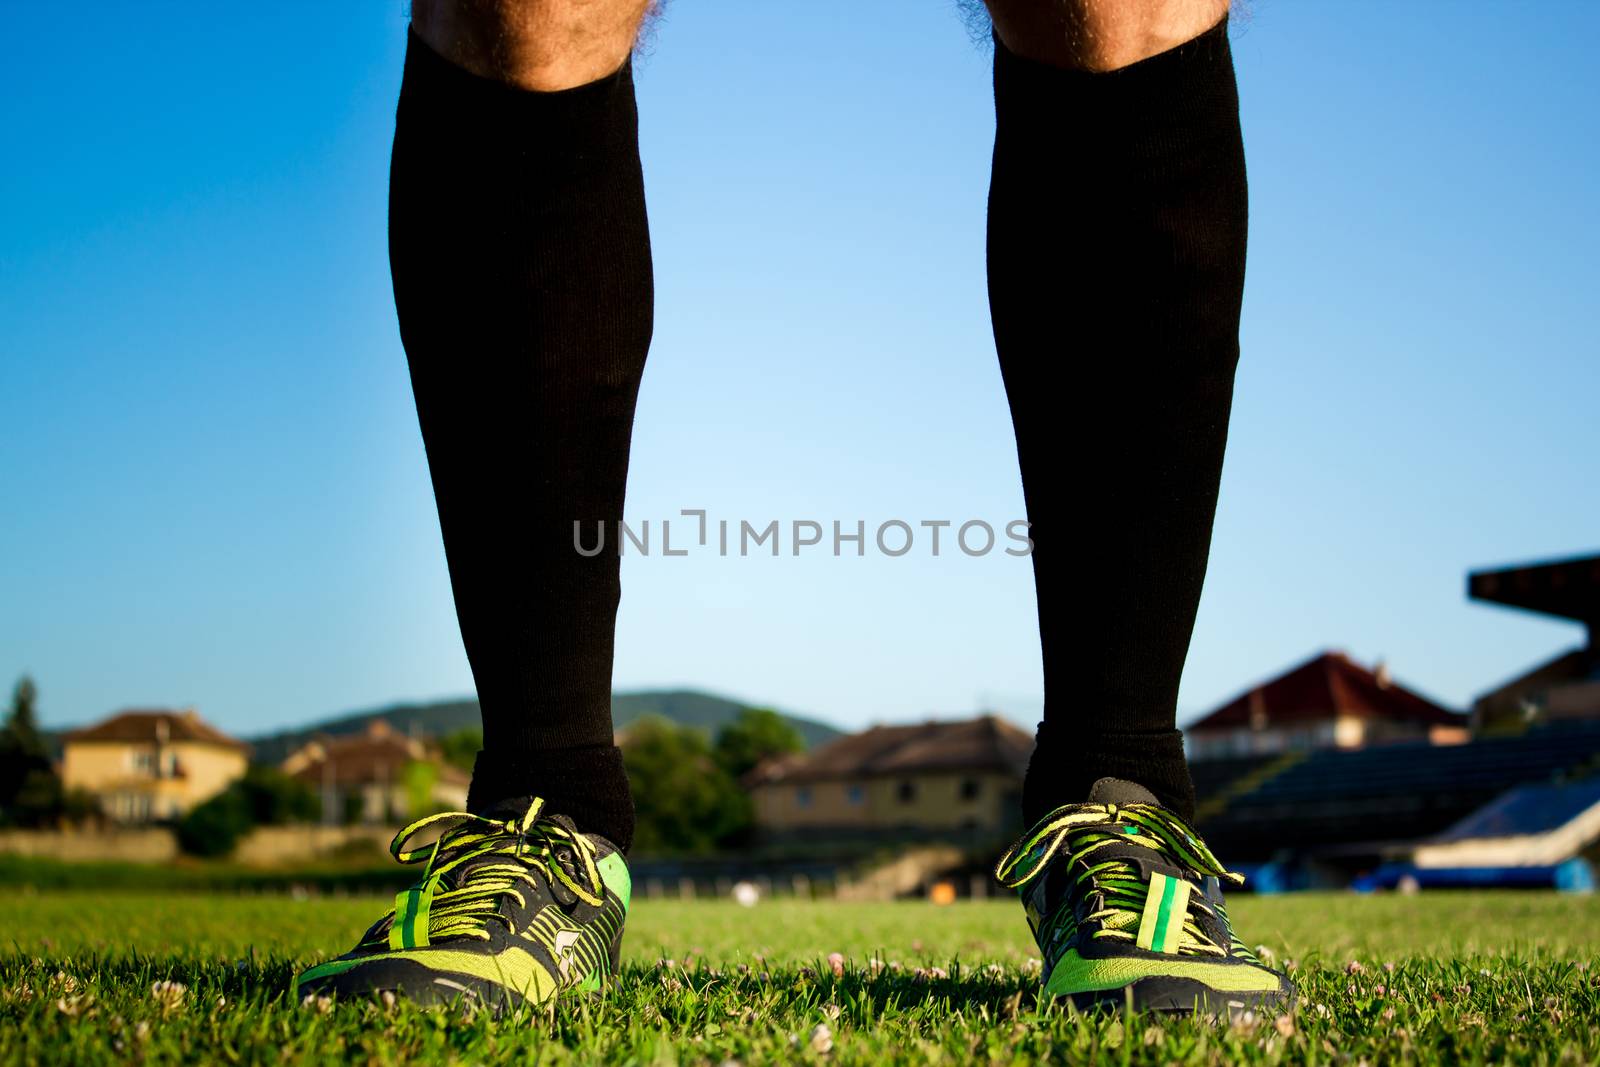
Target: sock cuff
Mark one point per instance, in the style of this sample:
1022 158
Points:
1068 760
589 118
588 785
1190 88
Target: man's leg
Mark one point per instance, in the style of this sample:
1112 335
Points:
521 262
1116 268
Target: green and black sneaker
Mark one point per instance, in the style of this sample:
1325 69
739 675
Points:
514 907
1125 901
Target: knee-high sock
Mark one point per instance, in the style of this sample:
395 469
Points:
521 261
1116 267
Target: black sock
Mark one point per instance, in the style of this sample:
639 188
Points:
1116 268
521 261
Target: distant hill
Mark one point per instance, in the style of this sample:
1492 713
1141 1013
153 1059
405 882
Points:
687 707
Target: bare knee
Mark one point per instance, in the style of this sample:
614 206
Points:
1100 35
534 44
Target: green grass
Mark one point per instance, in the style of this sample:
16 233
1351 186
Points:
1443 978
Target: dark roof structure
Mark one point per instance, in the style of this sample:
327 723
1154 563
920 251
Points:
986 743
155 727
1323 687
1567 589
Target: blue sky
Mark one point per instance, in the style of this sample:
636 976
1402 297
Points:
215 493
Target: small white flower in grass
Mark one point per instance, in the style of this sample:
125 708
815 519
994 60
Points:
875 965
1388 965
994 970
1032 965
222 1002
169 995
1354 967
1153 1036
73 1006
1265 954
822 1038
831 1011
1284 1024
141 1032
836 964
321 1002
387 999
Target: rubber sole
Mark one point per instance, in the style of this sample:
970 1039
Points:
1182 996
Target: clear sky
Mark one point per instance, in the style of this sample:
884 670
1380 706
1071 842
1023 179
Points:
215 493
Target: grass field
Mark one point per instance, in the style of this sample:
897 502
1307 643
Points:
1443 978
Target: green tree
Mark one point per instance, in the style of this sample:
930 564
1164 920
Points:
420 778
30 791
685 800
265 796
757 734
461 747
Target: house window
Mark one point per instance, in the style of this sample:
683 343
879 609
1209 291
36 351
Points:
802 797
855 795
907 792
970 788
143 760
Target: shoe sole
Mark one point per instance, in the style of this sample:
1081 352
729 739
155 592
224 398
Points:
1181 996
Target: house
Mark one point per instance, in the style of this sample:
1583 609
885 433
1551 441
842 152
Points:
150 765
1568 686
377 776
925 780
1329 701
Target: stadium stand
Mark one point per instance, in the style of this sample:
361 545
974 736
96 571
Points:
1354 808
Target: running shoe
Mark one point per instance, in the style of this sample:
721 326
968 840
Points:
514 906
1125 902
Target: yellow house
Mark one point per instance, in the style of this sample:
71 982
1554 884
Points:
932 779
150 765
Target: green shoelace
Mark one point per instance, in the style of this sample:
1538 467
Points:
1078 831
532 847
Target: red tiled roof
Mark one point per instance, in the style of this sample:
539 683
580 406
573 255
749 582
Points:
1326 686
155 726
986 743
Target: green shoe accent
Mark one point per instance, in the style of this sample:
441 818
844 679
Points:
614 872
411 906
1074 974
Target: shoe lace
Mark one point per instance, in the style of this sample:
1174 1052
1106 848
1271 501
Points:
475 861
1078 832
